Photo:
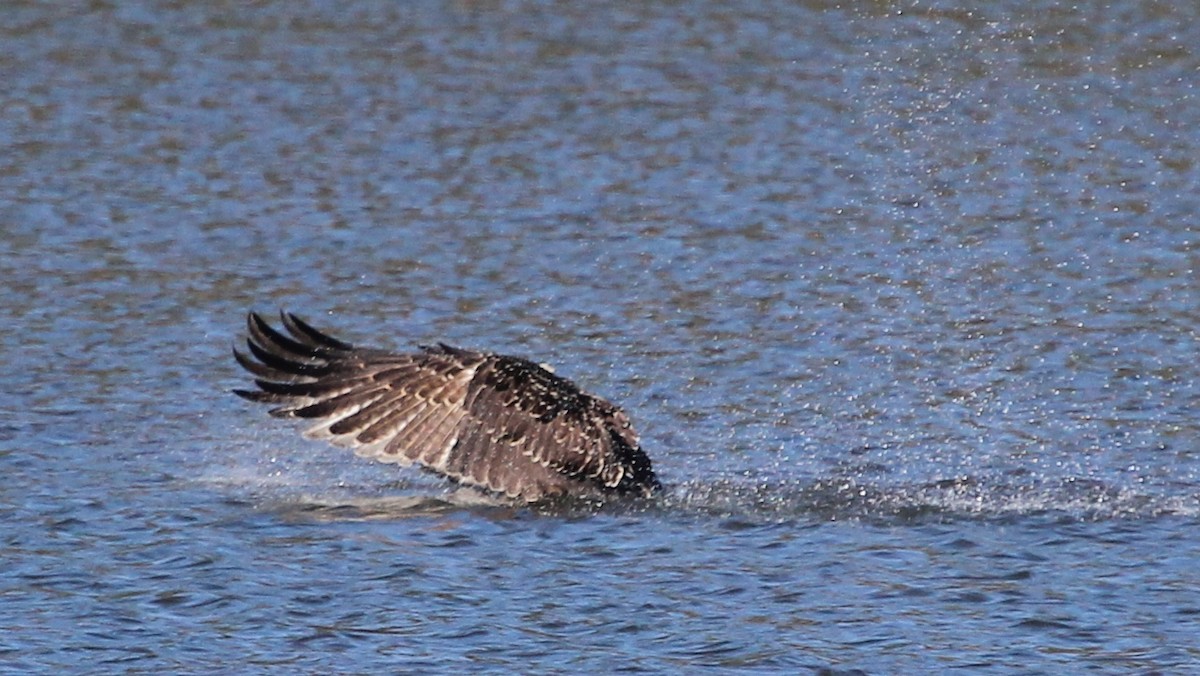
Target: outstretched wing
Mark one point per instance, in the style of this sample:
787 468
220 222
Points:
497 422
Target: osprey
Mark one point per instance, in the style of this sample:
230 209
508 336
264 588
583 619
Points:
502 424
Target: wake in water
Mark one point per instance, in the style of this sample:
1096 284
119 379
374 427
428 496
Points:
957 498
756 502
306 486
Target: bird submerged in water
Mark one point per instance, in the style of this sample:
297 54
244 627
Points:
502 424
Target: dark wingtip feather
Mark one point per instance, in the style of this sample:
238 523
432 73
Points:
258 369
305 332
287 364
273 341
254 320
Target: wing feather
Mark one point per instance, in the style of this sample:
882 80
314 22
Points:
417 427
294 370
471 439
394 420
547 420
422 438
347 404
309 336
354 423
260 369
274 342
429 450
317 389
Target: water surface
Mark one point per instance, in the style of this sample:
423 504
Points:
903 300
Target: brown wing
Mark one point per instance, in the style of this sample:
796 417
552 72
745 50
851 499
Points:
500 423
525 411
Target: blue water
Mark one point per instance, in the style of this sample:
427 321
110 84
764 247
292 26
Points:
903 300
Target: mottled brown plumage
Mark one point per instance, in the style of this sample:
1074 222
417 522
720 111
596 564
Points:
499 423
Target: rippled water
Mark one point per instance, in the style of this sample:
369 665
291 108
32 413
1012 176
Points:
903 299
